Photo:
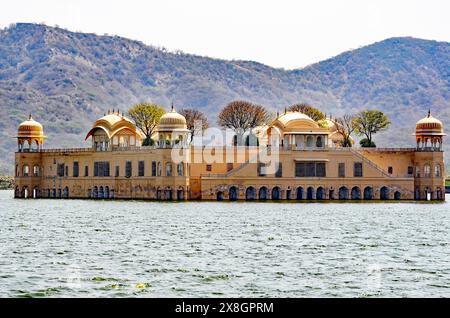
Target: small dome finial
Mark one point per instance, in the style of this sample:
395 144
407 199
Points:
278 114
172 107
30 117
285 110
429 112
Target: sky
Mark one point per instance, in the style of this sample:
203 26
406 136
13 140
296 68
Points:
279 33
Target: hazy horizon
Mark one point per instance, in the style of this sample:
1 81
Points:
283 34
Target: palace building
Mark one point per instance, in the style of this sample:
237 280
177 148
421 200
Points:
306 160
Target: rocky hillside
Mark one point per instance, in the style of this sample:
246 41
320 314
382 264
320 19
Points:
68 79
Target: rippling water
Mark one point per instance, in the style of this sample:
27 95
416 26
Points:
76 248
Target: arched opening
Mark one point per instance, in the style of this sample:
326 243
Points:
17 192
320 193
66 192
368 193
384 193
95 192
101 192
169 194
356 193
59 193
437 171
36 171
106 195
54 193
26 170
250 193
427 171
299 193
276 193
397 195
168 169
438 194
26 193
310 193
309 142
263 193
233 194
319 142
219 196
180 194
36 193
343 193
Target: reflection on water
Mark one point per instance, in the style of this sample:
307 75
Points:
76 248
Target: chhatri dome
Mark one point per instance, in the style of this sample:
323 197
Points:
29 133
172 121
430 126
172 129
429 133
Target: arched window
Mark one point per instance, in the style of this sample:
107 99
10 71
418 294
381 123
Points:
233 194
310 193
36 171
320 193
168 169
319 142
263 193
180 169
159 169
17 170
356 193
309 141
343 193
384 193
417 172
368 193
299 193
276 193
427 171
437 171
26 171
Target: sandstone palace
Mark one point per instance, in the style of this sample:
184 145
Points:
310 164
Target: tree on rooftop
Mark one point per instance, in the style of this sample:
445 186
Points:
146 117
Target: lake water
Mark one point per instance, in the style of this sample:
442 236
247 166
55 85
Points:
81 248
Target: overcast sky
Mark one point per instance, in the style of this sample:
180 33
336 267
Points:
279 33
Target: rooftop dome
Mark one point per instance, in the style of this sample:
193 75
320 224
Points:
172 121
30 129
289 117
112 123
430 126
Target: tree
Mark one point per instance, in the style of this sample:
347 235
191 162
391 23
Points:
192 116
146 117
308 110
365 143
242 116
369 122
345 126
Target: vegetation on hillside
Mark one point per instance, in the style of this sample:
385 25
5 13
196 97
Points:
68 79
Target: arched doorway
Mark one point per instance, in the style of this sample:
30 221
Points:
276 193
66 193
299 193
310 193
36 193
356 193
343 193
320 193
384 193
180 194
169 194
233 194
397 195
263 193
106 196
219 196
250 193
368 193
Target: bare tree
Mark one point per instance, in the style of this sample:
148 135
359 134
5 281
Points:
194 116
345 126
242 116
